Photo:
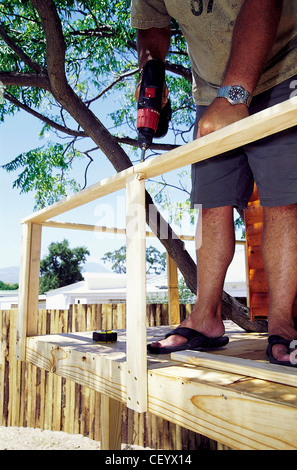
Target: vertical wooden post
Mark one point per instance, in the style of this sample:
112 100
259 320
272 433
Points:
173 294
136 294
29 286
111 421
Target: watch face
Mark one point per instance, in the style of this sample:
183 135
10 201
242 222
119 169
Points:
236 93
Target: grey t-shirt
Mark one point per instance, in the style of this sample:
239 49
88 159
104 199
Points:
207 26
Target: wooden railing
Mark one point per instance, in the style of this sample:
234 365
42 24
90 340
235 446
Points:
265 123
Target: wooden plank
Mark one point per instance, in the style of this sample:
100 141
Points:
254 212
34 270
29 285
245 415
263 124
136 294
23 291
95 191
261 370
173 292
104 229
254 233
258 280
78 358
254 255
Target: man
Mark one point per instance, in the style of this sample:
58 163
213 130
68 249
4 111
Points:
252 44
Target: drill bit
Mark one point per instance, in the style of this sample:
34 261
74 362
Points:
143 150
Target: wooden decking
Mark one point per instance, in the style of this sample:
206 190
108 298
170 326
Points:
236 406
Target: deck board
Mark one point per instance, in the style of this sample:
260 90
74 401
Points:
235 409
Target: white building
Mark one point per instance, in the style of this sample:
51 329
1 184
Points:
10 299
97 288
111 288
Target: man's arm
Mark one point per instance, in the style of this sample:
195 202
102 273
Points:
253 37
152 43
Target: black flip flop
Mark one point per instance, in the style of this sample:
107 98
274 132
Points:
196 341
272 341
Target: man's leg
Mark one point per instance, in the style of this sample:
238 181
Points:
280 261
215 251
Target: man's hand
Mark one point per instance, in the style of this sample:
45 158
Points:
220 114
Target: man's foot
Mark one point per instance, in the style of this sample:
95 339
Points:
195 342
212 328
282 351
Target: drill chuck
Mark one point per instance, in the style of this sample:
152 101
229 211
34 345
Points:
148 120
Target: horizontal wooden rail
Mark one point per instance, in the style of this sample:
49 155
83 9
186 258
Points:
112 230
267 122
100 229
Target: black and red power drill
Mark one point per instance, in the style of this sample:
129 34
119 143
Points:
152 118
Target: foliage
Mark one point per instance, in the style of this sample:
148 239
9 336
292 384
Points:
156 261
176 210
62 266
8 286
42 170
185 295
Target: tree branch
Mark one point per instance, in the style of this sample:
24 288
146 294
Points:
20 53
64 94
107 32
25 79
117 80
44 119
179 70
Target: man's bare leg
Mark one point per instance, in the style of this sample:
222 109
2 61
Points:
280 261
214 251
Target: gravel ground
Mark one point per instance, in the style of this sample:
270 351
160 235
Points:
13 438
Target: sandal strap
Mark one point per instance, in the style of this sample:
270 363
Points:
187 333
276 339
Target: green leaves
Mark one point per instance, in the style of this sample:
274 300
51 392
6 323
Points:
62 266
45 171
156 261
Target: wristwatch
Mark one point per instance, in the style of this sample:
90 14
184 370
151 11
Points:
235 94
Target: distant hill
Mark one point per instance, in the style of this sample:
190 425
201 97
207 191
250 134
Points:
10 274
95 268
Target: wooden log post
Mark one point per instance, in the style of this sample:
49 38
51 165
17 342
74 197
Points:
29 286
136 294
111 420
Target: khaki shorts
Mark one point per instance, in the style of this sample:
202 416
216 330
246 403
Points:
228 179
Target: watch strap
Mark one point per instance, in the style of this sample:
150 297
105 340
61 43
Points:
235 94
